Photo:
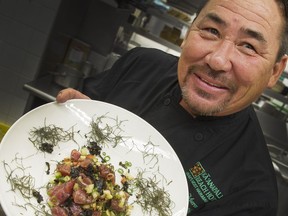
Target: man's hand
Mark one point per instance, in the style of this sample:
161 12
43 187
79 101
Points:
69 93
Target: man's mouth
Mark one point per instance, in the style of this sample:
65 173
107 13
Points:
211 84
211 79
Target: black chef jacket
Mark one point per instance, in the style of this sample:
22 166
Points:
228 167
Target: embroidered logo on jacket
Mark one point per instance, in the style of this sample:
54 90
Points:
203 186
197 170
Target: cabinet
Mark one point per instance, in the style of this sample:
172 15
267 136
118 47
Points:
164 25
94 22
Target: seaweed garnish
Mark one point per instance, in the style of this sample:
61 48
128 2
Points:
149 154
45 138
24 183
151 196
105 134
48 168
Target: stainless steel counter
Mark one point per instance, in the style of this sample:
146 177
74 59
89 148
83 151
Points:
43 88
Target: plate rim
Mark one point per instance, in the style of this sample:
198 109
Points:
4 207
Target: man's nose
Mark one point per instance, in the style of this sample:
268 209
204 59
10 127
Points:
219 59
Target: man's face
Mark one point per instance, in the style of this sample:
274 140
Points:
229 56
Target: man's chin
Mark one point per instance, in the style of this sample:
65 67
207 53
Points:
204 108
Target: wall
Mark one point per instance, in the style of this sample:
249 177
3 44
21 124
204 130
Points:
24 29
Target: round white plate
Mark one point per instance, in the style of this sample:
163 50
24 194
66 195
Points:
78 114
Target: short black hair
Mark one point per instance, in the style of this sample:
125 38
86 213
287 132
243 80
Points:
283 5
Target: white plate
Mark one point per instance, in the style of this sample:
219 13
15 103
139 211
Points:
78 114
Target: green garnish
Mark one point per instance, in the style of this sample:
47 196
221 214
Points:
47 137
105 134
151 197
21 181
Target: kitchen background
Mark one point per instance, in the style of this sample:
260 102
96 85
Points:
36 36
25 26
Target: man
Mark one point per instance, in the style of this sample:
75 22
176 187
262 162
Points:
201 103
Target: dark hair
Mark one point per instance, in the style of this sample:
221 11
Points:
283 5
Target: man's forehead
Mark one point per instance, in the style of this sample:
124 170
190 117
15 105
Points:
266 14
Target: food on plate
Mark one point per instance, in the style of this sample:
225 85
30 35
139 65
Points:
85 184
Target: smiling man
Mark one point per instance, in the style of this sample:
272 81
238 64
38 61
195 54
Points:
201 102
234 58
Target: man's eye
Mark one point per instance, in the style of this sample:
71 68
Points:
212 31
248 46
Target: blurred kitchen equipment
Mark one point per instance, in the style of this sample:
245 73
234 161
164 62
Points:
271 109
86 68
77 53
67 76
279 86
280 160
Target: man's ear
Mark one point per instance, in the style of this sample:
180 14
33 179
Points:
278 69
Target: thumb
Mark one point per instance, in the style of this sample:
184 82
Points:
69 93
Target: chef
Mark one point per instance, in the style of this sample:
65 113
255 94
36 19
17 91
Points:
201 102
